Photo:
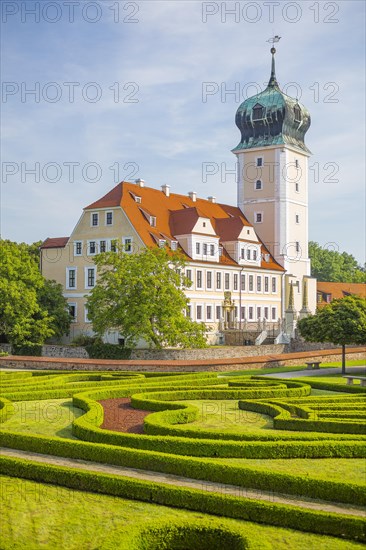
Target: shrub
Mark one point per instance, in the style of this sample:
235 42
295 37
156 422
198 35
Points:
28 350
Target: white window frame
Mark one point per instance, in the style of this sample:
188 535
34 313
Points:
174 245
243 282
130 241
274 285
201 277
86 318
218 309
88 253
75 248
266 309
226 278
68 287
106 218
251 283
209 273
256 214
209 318
250 313
266 278
73 304
260 165
92 214
235 282
259 288
274 317
202 312
198 248
218 278
105 241
258 312
255 185
86 276
243 313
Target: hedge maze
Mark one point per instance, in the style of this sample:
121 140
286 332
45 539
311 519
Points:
299 425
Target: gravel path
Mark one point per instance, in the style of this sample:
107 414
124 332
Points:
320 372
187 482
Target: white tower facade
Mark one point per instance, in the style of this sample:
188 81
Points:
273 182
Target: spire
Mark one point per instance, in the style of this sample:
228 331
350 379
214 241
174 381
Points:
273 80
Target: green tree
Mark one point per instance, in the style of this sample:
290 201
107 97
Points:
342 322
333 266
51 299
23 321
141 296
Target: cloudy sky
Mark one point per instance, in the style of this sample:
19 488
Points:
97 92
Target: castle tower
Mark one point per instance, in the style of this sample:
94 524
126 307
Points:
273 180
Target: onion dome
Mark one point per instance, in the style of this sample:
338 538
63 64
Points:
272 118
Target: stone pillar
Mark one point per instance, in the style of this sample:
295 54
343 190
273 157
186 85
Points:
290 314
305 311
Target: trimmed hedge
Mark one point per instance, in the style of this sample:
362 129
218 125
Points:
281 515
6 409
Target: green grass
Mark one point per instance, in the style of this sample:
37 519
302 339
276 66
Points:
351 470
36 515
330 378
52 417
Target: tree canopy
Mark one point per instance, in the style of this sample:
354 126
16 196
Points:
342 322
141 296
32 308
333 266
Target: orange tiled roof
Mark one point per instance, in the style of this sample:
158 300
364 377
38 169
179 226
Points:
174 214
338 290
57 242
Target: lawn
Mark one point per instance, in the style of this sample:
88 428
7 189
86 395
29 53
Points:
36 515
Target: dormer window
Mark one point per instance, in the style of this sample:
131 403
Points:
297 113
152 221
258 112
174 245
162 243
220 251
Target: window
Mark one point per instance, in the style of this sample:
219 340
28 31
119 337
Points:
242 312
198 248
205 249
297 246
72 312
243 281
258 112
189 274
89 277
242 253
259 162
92 247
258 217
218 280
259 283
266 313
127 244
220 251
235 281
109 218
199 313
204 224
251 313
174 245
199 279
208 313
297 188
255 254
102 246
212 249
218 312
86 318
259 313
274 314
114 245
189 311
227 281
95 219
297 218
152 221
297 113
274 284
251 283
162 243
258 185
78 248
248 254
70 277
297 165
209 279
266 284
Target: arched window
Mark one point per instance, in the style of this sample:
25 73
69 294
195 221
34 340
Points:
258 112
297 113
258 185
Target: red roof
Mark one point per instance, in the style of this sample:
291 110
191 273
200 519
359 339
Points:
57 242
175 215
331 291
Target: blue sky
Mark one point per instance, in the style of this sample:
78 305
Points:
144 91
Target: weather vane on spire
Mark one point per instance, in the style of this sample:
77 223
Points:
274 39
273 81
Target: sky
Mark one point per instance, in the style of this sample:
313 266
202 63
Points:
97 92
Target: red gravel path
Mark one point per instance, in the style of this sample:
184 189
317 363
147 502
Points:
121 417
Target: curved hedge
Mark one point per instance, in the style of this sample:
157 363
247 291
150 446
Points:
281 515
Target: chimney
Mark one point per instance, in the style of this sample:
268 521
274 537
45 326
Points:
166 189
140 182
212 199
192 195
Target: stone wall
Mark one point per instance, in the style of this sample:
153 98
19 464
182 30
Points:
207 353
